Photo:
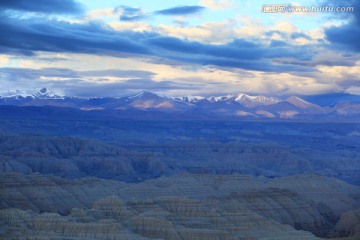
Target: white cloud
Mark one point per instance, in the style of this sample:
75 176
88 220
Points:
353 90
218 4
284 26
4 59
210 32
249 27
107 12
340 73
132 26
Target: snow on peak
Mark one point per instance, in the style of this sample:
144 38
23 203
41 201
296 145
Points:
189 99
246 100
45 93
143 94
219 98
259 99
42 93
301 103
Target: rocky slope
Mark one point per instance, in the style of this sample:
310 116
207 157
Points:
133 222
348 225
75 157
186 206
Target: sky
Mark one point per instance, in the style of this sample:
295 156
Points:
91 48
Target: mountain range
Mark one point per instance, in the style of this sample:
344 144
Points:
237 105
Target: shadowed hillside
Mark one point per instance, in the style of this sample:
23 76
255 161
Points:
190 206
76 157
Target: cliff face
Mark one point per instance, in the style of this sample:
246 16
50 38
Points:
186 206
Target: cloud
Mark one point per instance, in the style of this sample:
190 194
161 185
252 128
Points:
181 10
59 36
131 13
101 13
209 32
112 77
66 73
26 74
347 35
218 4
117 89
296 35
238 54
119 73
131 26
282 59
96 37
4 59
75 83
42 6
353 90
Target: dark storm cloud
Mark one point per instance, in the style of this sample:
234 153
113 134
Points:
239 53
347 36
131 13
238 49
42 6
27 36
58 36
181 10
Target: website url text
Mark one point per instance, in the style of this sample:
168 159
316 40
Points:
288 8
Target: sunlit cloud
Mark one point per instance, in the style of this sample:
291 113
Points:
218 4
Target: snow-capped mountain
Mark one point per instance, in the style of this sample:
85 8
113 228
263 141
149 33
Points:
243 99
42 93
219 98
301 103
147 100
189 99
237 105
253 101
145 95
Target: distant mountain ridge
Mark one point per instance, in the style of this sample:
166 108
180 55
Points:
237 105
